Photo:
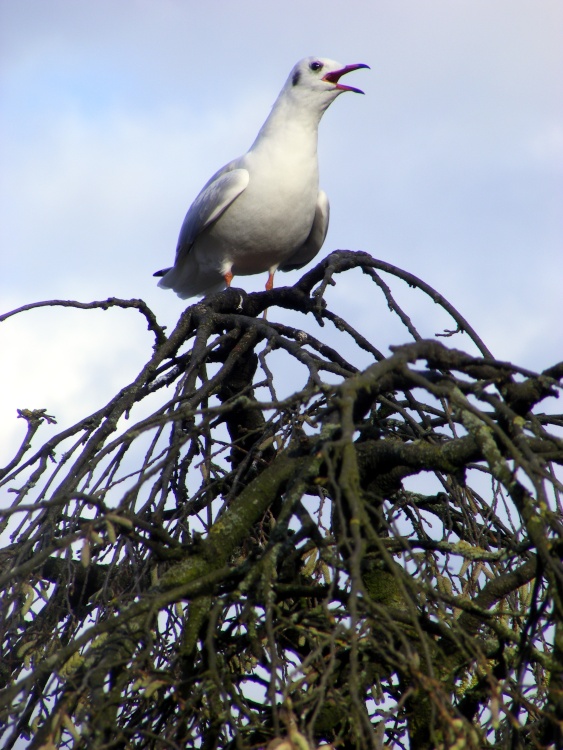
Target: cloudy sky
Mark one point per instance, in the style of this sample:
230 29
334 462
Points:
114 114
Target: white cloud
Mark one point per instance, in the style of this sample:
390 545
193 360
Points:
67 361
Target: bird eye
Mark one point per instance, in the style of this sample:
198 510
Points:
316 65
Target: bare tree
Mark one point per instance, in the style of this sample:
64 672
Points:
372 559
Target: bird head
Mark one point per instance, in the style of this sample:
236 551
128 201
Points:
320 77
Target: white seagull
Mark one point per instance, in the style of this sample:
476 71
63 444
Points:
264 210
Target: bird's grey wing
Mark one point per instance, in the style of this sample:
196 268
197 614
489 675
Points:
216 196
316 237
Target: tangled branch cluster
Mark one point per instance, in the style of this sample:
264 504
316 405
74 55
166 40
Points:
373 560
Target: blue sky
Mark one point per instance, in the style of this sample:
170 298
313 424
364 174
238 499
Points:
114 114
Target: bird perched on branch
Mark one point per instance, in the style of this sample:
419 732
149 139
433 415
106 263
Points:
264 210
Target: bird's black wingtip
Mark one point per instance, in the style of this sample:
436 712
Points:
161 273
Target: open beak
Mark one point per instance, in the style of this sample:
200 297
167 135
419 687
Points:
335 75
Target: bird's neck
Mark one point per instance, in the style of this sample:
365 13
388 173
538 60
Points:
290 125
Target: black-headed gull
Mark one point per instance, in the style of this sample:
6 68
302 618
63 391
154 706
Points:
264 210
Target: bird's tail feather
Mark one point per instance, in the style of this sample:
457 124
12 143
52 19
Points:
187 282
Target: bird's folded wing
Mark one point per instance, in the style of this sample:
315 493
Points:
214 199
316 237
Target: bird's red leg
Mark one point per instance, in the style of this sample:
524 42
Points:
270 282
228 278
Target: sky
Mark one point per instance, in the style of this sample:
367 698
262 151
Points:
114 114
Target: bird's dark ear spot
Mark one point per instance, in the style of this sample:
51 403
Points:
296 77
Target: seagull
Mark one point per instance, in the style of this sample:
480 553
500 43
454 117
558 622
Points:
263 211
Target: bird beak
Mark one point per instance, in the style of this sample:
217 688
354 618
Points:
335 75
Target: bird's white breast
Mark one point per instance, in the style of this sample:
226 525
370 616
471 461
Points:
273 216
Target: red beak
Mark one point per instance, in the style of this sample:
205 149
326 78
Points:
335 75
